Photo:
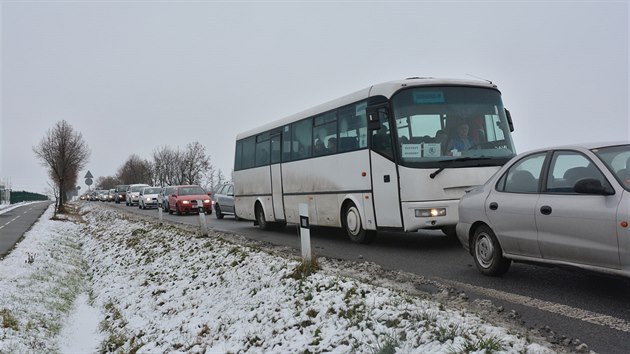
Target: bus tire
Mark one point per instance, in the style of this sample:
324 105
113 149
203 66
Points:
260 218
354 228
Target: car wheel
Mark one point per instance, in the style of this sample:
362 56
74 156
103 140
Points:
179 212
487 252
217 210
260 218
354 228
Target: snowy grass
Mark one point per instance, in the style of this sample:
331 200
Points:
162 289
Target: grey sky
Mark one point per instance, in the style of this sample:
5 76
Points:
131 76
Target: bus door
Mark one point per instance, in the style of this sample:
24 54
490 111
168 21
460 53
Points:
384 173
276 176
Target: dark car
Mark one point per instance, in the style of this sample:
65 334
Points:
224 201
121 193
189 198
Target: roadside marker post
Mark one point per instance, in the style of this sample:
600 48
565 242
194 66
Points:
305 232
202 219
160 214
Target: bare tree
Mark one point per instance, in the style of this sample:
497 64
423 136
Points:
64 152
166 166
135 170
107 182
195 163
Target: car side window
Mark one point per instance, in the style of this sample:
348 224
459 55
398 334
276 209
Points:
523 176
568 167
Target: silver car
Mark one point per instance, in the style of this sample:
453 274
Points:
224 201
133 193
565 206
148 197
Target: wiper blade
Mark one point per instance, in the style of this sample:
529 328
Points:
449 162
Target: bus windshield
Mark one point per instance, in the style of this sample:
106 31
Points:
456 124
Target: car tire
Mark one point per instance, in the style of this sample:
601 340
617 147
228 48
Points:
217 211
260 218
353 226
487 252
179 212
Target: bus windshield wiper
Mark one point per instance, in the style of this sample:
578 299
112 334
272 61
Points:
449 162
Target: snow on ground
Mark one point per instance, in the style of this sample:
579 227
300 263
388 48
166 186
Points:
111 282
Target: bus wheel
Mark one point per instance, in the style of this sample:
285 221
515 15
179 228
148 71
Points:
260 218
354 229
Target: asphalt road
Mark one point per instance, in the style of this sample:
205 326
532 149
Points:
572 303
14 223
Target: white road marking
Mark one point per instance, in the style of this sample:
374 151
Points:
559 309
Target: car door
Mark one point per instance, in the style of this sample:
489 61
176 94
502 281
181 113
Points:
573 227
229 200
510 206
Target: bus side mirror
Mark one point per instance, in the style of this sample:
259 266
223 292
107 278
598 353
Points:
509 120
373 121
375 113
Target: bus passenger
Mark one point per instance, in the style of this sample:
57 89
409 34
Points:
461 142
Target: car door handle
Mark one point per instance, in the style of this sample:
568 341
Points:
545 210
386 178
494 206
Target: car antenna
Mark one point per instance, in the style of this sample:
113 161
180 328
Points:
480 78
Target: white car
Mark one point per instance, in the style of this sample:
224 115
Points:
148 197
133 193
562 206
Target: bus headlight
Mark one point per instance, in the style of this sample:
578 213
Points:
429 213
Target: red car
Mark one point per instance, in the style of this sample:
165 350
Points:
186 199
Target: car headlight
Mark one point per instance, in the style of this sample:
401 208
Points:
185 202
206 201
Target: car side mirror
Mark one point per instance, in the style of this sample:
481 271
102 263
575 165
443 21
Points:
592 186
209 194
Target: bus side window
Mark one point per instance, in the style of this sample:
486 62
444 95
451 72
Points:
275 148
302 139
352 127
382 139
286 143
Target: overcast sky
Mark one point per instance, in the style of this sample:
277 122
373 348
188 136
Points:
133 75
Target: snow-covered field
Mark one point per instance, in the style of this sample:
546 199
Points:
103 281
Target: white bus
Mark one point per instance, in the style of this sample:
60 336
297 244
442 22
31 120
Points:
393 156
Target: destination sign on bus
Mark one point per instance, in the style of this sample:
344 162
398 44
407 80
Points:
423 97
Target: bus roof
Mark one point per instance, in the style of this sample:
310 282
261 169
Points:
386 89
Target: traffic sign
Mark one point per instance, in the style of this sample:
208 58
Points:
88 181
88 175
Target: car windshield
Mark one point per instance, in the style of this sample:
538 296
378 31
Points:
151 190
617 159
191 191
137 188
